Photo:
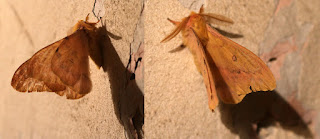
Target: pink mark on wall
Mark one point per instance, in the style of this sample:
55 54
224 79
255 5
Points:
280 51
282 4
137 69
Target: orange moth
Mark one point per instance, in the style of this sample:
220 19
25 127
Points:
61 67
228 69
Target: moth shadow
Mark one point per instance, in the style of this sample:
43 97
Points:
253 117
227 34
178 49
128 99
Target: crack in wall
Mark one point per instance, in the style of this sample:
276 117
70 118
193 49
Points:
24 30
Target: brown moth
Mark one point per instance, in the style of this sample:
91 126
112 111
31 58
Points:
61 67
229 70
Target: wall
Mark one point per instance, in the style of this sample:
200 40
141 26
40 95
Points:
284 33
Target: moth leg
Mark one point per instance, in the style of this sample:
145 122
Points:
201 9
87 18
174 22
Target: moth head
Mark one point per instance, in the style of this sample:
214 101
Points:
195 22
84 24
202 18
198 24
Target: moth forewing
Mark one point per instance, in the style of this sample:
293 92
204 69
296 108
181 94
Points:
61 67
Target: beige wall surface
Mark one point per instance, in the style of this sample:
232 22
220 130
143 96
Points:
284 33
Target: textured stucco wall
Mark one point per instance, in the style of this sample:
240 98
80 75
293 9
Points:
284 33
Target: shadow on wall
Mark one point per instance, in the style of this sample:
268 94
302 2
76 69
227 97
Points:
127 98
258 111
261 110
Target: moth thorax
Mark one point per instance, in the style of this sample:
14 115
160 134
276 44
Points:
199 27
202 35
88 26
83 25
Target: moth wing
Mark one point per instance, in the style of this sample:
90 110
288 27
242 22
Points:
202 63
41 72
70 63
239 70
36 75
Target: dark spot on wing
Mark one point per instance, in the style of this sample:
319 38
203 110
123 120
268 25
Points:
234 58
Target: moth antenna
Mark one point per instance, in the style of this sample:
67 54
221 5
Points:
201 9
218 17
176 31
174 22
87 18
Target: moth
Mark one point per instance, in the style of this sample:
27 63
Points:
229 70
61 67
